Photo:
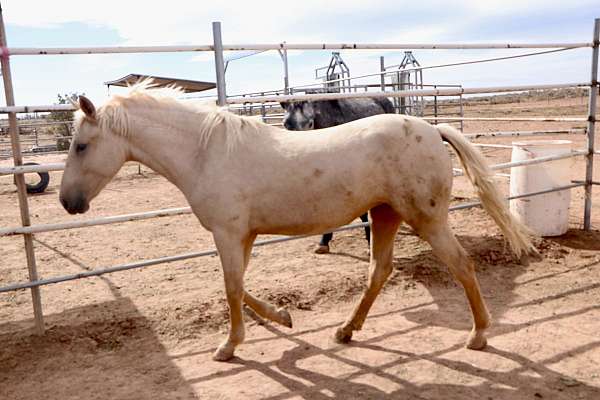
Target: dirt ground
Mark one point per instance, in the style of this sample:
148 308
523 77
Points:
150 333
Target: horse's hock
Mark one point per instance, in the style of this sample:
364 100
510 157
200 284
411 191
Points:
546 214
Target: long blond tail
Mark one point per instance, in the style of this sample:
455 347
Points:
492 201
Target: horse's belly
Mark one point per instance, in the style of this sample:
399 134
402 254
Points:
304 227
308 215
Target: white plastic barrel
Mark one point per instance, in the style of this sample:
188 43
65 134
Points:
546 214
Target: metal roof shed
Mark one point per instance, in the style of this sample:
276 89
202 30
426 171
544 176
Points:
187 85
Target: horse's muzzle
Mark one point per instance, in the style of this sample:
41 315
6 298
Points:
76 205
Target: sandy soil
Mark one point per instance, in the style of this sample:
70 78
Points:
149 334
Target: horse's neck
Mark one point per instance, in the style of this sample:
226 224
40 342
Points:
170 149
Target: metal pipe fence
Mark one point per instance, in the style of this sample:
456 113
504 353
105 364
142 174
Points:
27 230
36 296
187 210
45 51
25 169
532 161
212 252
403 93
258 100
386 71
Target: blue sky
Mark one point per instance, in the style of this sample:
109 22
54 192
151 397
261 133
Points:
38 79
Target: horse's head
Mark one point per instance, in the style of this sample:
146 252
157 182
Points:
299 116
95 156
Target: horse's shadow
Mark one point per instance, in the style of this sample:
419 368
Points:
496 269
300 370
578 240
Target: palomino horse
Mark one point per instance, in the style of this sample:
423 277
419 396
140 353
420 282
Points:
243 178
306 115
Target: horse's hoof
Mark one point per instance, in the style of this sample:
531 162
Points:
224 352
342 336
285 318
322 249
476 341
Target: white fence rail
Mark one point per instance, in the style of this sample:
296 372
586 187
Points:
45 51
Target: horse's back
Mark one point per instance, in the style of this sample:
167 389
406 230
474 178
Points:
395 146
329 176
412 161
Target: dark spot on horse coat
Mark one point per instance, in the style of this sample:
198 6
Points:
432 202
317 172
419 138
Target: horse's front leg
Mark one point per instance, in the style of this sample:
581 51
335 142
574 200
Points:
231 251
264 309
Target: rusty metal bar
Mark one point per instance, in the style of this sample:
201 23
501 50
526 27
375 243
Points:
523 133
115 219
36 297
522 119
589 169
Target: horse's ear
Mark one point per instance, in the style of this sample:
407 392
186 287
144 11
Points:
87 107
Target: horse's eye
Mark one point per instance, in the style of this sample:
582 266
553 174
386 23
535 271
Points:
80 147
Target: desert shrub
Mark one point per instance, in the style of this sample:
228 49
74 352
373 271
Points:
62 131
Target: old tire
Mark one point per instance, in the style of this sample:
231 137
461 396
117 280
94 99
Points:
40 186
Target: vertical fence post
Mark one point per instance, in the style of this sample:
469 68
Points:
462 114
435 107
382 69
593 95
20 180
286 73
219 64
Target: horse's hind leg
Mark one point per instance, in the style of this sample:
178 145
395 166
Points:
265 310
446 247
231 252
384 225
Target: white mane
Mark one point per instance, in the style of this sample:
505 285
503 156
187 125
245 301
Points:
114 116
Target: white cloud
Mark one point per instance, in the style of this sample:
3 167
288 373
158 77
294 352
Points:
179 21
189 22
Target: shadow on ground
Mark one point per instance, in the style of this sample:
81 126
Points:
91 359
